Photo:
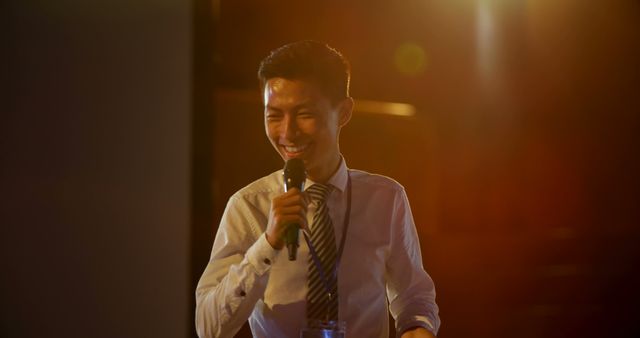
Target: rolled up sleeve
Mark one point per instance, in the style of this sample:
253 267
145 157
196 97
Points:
410 289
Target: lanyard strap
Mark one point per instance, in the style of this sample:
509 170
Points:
314 254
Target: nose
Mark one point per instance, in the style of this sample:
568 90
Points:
289 128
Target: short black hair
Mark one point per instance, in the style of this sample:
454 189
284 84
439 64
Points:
310 61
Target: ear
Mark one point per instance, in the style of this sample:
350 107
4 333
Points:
346 110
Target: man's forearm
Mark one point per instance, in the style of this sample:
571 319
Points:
222 307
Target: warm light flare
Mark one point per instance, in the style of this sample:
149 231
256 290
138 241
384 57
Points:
388 108
410 59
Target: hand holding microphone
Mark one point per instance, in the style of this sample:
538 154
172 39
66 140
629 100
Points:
288 211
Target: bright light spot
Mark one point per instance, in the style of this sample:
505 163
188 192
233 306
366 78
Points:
485 38
388 108
410 59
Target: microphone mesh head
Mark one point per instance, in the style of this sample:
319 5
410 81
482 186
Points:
294 174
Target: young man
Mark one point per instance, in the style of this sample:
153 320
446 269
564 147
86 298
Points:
367 262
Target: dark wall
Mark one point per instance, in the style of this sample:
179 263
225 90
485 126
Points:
94 178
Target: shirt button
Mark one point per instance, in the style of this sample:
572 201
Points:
267 261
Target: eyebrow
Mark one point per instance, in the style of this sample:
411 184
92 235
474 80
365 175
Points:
268 107
307 105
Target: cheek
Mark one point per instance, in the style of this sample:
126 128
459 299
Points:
270 129
308 128
272 136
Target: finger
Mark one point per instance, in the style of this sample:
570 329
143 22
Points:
293 210
291 191
306 198
293 200
283 220
289 194
303 223
288 220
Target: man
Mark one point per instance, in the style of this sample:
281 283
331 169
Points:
369 255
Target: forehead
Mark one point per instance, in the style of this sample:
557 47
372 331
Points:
288 93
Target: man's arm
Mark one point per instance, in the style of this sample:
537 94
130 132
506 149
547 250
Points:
236 276
410 289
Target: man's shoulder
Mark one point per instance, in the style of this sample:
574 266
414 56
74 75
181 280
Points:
377 181
262 186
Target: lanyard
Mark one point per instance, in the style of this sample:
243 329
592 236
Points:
314 254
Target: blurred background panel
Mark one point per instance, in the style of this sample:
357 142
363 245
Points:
95 103
518 154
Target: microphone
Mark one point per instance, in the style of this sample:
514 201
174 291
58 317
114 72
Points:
294 176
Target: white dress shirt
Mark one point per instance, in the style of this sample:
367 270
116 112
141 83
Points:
380 270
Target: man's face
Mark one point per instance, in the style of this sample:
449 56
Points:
301 122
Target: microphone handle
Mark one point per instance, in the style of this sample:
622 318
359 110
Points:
292 241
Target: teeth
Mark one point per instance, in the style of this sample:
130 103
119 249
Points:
295 149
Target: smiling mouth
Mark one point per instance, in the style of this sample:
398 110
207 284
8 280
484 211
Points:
296 150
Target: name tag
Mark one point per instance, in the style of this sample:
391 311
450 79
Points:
325 329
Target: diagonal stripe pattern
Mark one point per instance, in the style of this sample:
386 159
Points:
319 304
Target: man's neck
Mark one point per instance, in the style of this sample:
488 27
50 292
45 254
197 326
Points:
324 178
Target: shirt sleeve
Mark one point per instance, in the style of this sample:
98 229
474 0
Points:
237 273
410 289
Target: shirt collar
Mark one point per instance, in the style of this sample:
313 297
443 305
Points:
339 178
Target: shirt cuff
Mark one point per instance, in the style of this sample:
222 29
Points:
416 321
261 255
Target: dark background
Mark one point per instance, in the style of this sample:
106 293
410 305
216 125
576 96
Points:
126 125
95 151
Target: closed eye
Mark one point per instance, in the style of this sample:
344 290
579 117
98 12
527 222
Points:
306 114
273 114
274 117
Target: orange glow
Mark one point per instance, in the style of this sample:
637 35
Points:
410 59
389 108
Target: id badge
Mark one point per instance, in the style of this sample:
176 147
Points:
325 329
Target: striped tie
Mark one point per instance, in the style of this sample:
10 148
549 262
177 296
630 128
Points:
319 305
